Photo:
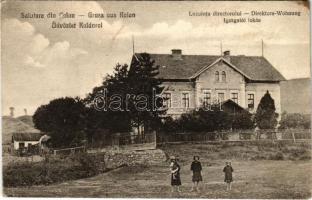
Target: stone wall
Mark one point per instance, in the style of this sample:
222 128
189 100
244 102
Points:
113 158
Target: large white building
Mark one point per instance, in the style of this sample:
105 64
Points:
193 80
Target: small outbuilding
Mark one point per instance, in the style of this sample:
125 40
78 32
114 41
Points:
25 140
231 107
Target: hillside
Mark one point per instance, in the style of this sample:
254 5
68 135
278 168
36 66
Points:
27 119
10 125
296 96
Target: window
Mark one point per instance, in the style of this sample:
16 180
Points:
185 100
220 97
167 100
207 98
251 101
217 76
234 97
21 145
223 76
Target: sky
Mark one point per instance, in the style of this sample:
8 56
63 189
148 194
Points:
39 63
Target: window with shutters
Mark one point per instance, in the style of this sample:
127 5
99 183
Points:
234 97
185 100
251 101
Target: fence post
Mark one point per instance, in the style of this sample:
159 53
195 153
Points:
293 136
155 139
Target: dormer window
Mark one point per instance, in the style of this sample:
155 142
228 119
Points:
217 76
223 76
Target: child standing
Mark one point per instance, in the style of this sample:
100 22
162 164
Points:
175 174
228 175
173 169
197 177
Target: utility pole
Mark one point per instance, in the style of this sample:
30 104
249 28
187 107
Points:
221 47
132 44
11 111
262 47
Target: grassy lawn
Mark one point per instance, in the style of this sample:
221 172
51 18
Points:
252 178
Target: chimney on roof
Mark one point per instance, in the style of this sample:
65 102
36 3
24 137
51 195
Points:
176 54
226 55
12 111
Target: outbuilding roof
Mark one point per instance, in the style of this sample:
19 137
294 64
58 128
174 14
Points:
23 136
255 68
232 107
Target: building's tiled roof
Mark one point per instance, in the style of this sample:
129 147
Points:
26 136
232 107
255 68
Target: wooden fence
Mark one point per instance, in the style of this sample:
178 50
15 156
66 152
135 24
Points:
237 135
128 141
68 151
136 142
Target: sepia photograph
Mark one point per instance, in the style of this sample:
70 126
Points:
156 99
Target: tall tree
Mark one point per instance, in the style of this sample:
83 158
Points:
129 98
145 86
266 117
63 119
109 115
116 83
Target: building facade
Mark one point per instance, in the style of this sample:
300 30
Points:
192 81
24 140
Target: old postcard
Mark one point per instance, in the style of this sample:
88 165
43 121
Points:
156 99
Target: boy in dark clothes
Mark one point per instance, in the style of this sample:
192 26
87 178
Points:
197 177
175 174
228 175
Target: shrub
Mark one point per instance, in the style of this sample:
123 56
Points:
295 120
63 119
19 174
305 156
266 117
203 120
243 121
246 135
258 157
169 125
297 152
51 170
88 163
276 156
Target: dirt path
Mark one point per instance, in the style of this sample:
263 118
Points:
256 179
